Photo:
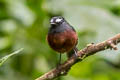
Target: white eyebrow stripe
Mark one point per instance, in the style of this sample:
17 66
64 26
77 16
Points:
58 20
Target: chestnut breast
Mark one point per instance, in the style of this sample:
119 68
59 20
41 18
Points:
63 41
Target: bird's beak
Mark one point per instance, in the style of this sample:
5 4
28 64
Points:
52 23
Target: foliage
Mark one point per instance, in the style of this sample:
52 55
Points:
25 23
2 60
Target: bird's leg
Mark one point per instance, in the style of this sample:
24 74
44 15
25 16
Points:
59 62
59 59
72 52
75 51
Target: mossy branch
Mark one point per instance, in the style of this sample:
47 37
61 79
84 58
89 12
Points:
87 51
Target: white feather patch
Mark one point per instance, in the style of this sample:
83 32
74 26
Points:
58 20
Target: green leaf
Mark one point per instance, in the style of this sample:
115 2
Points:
2 60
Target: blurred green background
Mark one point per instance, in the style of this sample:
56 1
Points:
25 23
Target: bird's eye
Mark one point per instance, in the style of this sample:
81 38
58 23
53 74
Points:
58 20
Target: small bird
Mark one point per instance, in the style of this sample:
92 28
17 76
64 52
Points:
62 36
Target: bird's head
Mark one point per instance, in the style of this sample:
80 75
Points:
57 20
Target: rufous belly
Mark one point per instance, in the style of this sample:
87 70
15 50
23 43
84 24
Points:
63 41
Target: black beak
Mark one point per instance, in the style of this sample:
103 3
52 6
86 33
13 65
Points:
52 23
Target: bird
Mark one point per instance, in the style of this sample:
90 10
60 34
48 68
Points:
61 36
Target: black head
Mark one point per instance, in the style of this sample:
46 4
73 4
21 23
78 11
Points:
59 24
57 20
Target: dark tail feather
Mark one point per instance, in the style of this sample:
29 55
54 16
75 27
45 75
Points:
72 52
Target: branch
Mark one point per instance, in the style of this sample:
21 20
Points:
87 51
